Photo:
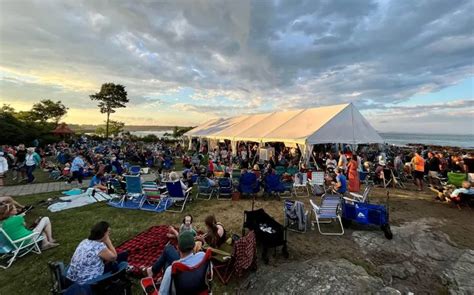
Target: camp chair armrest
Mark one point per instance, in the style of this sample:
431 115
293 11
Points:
349 199
30 236
188 190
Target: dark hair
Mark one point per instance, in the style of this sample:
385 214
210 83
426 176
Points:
212 237
98 231
184 218
227 175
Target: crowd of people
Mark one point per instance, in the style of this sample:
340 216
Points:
96 255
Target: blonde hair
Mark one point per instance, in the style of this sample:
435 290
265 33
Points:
5 210
174 176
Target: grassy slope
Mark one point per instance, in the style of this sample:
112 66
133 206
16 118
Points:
71 226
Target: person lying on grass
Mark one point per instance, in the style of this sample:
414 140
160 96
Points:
15 227
95 256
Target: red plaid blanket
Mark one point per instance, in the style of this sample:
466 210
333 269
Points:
145 248
245 253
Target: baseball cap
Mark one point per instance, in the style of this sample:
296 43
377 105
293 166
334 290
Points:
186 241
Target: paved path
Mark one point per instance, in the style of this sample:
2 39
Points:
38 188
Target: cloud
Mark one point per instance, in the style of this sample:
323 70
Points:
237 56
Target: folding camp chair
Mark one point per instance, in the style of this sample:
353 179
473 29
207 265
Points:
108 283
280 170
386 177
192 280
133 188
151 194
243 257
365 177
317 179
330 209
396 180
175 194
204 188
456 179
273 185
301 182
11 249
225 189
358 197
296 218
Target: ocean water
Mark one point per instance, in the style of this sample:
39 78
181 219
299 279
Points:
156 133
465 141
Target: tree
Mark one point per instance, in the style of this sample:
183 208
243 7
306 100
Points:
47 109
111 96
115 127
179 131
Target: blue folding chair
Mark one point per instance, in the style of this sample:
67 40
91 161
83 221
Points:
329 210
225 188
175 194
133 189
273 184
134 170
204 188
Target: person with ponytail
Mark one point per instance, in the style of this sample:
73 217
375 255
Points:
216 234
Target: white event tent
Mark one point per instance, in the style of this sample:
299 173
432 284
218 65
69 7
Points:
305 127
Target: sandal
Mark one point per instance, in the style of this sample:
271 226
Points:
49 246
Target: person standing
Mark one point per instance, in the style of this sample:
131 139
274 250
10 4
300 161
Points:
77 169
342 162
433 167
32 160
3 167
418 169
20 162
353 174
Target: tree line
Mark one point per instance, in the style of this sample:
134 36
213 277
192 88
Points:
36 124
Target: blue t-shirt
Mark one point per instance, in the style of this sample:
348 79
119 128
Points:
95 181
342 179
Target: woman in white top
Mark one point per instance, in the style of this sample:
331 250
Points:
3 167
95 256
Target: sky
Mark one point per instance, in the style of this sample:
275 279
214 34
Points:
406 65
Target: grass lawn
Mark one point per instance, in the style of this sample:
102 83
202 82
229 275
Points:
71 226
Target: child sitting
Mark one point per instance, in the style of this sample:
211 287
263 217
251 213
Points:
187 225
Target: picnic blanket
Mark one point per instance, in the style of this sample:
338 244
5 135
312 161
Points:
135 205
145 248
78 200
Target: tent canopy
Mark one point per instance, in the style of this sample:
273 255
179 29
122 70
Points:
331 124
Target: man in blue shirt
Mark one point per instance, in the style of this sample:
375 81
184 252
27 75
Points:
341 181
185 245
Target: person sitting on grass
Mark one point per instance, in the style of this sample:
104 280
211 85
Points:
95 256
15 227
215 236
97 182
187 225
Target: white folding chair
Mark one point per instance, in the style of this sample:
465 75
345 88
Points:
330 210
358 197
300 183
11 249
317 179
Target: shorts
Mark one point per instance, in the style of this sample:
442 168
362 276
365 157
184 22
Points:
418 174
470 177
433 174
